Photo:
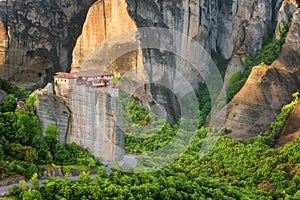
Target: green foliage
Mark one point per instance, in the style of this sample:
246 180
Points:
138 114
284 28
204 101
23 147
23 167
136 144
250 170
32 99
277 126
15 191
28 127
41 145
32 195
9 105
116 80
35 181
235 82
17 90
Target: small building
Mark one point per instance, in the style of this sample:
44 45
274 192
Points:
64 78
94 77
94 74
63 82
102 82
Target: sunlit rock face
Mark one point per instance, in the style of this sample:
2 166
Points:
105 19
88 116
267 89
37 37
109 42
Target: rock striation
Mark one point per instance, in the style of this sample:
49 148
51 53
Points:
37 37
105 19
226 29
88 116
267 89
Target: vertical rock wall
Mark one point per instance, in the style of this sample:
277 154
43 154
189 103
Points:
89 117
105 19
95 122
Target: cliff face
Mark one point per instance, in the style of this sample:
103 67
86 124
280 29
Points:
229 30
226 29
37 37
87 116
104 43
105 19
267 89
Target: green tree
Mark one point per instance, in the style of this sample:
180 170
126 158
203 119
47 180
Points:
32 195
9 105
35 181
60 154
29 126
40 144
51 137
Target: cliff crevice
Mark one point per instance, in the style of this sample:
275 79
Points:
40 37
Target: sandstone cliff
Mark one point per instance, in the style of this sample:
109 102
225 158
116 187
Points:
87 116
39 36
226 29
267 89
105 19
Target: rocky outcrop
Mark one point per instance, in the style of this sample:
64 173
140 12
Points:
37 37
103 44
105 19
87 116
226 29
285 13
267 89
259 101
52 109
55 172
290 50
3 95
3 41
292 125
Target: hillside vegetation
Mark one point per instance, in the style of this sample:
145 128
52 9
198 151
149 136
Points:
249 170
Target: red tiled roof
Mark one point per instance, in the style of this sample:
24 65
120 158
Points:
87 73
93 73
65 75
